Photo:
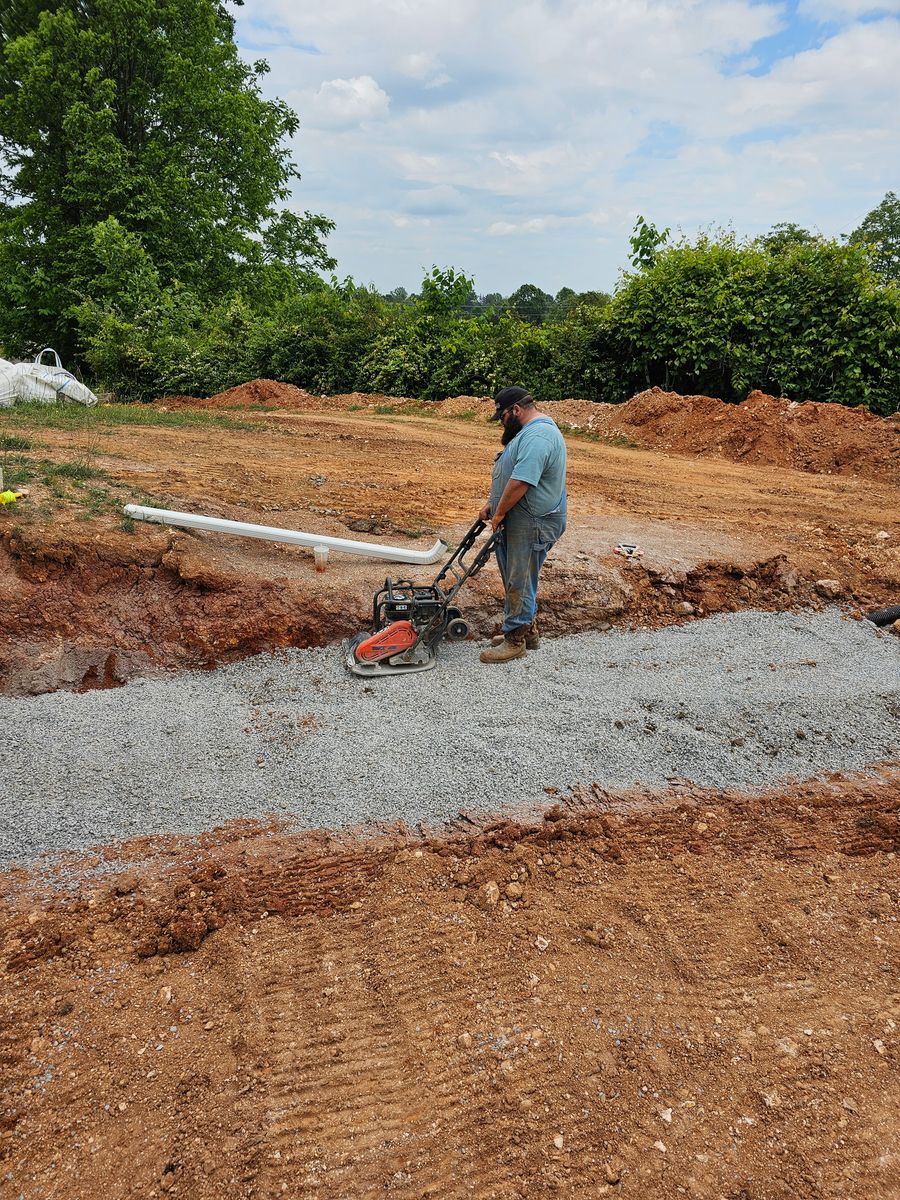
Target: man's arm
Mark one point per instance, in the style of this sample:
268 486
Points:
512 494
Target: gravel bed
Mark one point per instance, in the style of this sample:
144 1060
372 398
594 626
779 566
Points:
736 701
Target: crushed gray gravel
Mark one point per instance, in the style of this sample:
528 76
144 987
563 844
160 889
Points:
736 701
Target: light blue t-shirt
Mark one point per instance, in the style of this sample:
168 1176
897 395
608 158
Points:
536 456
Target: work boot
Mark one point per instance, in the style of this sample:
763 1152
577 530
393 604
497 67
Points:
505 652
532 638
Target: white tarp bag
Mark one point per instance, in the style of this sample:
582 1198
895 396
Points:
44 384
7 384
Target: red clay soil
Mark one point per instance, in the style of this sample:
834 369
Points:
85 603
824 438
692 994
807 436
268 393
80 618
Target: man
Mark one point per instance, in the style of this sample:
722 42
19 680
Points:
528 506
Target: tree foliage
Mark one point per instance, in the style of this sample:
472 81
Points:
809 321
880 232
715 316
646 242
141 112
786 235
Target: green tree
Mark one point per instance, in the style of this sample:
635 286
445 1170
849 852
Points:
530 303
593 299
491 304
784 235
399 295
881 232
564 301
142 111
407 359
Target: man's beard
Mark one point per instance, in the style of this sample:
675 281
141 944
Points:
511 427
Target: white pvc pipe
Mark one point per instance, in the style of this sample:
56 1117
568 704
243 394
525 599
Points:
293 537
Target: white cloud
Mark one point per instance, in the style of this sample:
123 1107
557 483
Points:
504 139
533 225
343 103
426 68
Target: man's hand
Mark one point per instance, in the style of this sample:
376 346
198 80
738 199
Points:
485 513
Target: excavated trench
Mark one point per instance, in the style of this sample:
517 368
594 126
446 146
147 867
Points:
81 617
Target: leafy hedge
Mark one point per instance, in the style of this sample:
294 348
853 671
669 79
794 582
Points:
810 321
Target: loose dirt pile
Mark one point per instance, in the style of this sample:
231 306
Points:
639 996
257 393
823 438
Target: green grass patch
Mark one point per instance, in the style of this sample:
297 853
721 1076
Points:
77 416
69 470
17 471
9 441
75 484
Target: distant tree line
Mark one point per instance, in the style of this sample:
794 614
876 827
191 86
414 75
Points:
143 179
528 302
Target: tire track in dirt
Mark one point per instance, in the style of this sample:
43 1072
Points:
332 1056
355 1100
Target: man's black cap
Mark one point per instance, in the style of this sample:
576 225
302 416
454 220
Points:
507 398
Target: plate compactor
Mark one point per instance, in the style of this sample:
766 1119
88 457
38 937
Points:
409 619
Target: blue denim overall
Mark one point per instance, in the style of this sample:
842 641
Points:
523 543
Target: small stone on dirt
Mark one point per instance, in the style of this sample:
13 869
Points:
541 943
559 1141
830 589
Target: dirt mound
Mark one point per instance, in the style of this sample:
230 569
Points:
821 438
256 393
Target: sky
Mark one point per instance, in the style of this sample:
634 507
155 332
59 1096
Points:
518 141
